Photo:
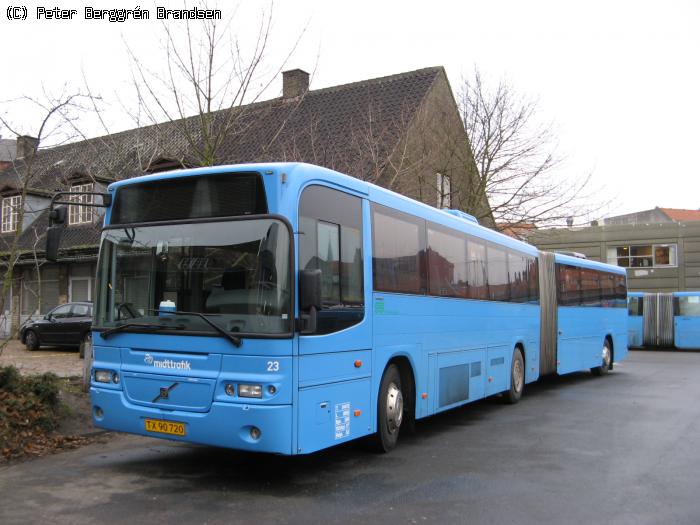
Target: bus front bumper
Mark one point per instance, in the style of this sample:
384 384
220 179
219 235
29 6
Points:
228 425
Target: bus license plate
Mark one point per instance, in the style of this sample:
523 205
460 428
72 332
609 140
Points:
161 426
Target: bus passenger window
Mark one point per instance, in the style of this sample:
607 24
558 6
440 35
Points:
620 291
590 287
499 288
447 264
399 252
533 276
689 306
568 285
517 271
330 240
607 289
635 307
476 269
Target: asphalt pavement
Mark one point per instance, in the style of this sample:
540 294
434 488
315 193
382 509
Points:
624 448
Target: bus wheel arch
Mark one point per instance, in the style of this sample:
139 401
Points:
612 350
408 382
517 376
607 358
395 403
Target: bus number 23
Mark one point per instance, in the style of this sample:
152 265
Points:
273 366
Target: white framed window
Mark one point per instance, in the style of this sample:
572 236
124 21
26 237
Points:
444 191
81 214
10 213
80 283
644 256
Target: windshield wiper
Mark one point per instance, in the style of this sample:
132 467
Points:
228 335
147 326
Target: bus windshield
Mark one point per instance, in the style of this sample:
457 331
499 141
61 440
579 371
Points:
235 272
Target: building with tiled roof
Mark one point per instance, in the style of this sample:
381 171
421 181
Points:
8 152
679 215
403 132
655 215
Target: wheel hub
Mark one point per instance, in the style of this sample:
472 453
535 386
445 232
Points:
606 356
394 408
518 375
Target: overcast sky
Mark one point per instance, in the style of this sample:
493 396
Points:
620 79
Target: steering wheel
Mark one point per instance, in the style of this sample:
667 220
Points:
128 309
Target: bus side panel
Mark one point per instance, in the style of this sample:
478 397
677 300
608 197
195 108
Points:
453 379
332 414
687 332
582 332
635 327
498 364
577 338
428 329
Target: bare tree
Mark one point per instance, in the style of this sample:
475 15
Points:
199 100
21 177
519 167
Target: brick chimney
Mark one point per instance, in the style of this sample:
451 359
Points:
26 146
294 83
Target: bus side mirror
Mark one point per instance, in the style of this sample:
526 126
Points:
57 221
58 215
53 241
309 299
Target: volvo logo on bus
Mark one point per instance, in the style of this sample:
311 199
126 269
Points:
164 392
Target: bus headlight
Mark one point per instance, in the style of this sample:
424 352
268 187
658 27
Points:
103 376
250 391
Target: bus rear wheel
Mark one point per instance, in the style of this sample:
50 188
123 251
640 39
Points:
517 378
606 361
390 410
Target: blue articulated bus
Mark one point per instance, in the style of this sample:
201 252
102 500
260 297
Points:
664 320
286 308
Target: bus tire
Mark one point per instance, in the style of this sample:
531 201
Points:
606 363
517 378
390 410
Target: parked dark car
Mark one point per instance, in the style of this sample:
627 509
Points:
66 325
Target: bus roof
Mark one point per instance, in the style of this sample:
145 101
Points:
301 174
588 263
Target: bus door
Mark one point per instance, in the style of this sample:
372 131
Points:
687 322
571 325
335 358
635 320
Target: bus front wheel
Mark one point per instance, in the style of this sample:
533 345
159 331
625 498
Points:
606 361
390 410
517 378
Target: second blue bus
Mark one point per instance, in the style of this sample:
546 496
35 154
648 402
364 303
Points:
664 320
